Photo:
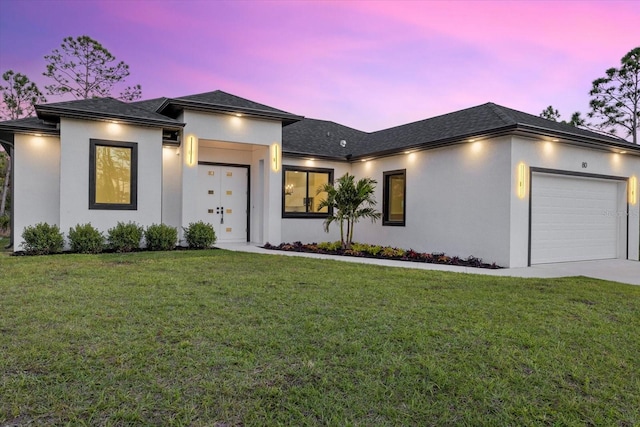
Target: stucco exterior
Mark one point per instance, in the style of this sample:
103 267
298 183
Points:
468 175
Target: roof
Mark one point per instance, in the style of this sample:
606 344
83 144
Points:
219 101
106 109
29 124
320 138
487 119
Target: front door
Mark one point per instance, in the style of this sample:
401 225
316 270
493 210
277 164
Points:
222 200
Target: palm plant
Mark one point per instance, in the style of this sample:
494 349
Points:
351 201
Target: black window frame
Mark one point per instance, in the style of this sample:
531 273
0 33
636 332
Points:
306 170
386 193
133 191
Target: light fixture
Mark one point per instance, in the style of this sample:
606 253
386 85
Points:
238 115
275 157
288 189
623 152
191 151
633 190
521 180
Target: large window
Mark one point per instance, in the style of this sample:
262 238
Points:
300 197
394 195
113 175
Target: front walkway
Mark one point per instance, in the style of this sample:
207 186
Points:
617 270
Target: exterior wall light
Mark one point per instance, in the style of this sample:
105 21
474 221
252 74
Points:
633 190
276 158
522 168
191 155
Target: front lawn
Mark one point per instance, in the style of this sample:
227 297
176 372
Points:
208 338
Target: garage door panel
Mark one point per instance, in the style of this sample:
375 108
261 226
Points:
572 220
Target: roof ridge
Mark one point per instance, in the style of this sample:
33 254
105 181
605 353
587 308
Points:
502 114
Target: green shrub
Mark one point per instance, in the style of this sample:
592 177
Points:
42 239
199 235
85 239
125 237
161 237
5 222
330 246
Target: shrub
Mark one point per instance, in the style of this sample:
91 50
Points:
330 246
161 237
85 239
199 235
125 237
42 239
5 222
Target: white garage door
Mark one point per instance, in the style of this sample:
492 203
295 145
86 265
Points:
573 218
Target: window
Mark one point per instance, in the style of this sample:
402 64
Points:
113 175
300 197
394 197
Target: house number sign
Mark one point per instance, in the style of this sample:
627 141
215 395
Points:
584 165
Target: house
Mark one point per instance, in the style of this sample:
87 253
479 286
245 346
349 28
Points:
487 181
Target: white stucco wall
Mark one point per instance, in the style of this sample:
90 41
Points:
74 174
171 186
541 153
457 201
261 135
36 196
310 230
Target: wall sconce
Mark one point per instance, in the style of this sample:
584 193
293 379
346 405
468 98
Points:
521 180
276 159
191 154
288 189
633 190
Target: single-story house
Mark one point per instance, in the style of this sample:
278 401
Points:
487 181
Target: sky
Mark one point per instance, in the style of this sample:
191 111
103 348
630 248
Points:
369 65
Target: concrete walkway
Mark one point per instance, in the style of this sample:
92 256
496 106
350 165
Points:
616 270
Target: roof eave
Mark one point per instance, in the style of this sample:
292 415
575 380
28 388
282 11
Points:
582 140
45 112
170 105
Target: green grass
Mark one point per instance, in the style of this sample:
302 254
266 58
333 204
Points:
205 337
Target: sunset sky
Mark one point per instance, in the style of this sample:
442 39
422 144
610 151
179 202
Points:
368 65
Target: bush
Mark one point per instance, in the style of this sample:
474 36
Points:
5 223
161 237
199 235
125 237
330 246
85 239
42 239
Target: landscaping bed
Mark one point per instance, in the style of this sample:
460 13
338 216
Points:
364 250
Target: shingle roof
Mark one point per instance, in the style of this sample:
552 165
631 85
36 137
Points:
224 102
106 108
29 124
485 119
150 104
320 138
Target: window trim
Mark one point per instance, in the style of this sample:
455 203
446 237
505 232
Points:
133 205
385 197
286 169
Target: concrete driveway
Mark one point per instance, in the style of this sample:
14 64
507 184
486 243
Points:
616 270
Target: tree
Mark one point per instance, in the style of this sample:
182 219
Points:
552 114
351 201
85 69
616 98
19 96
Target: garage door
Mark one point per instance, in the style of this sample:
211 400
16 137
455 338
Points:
573 218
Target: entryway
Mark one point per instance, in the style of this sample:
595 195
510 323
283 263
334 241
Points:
223 198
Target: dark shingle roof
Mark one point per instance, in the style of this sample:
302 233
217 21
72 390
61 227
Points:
29 125
219 101
150 104
320 138
482 120
106 109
